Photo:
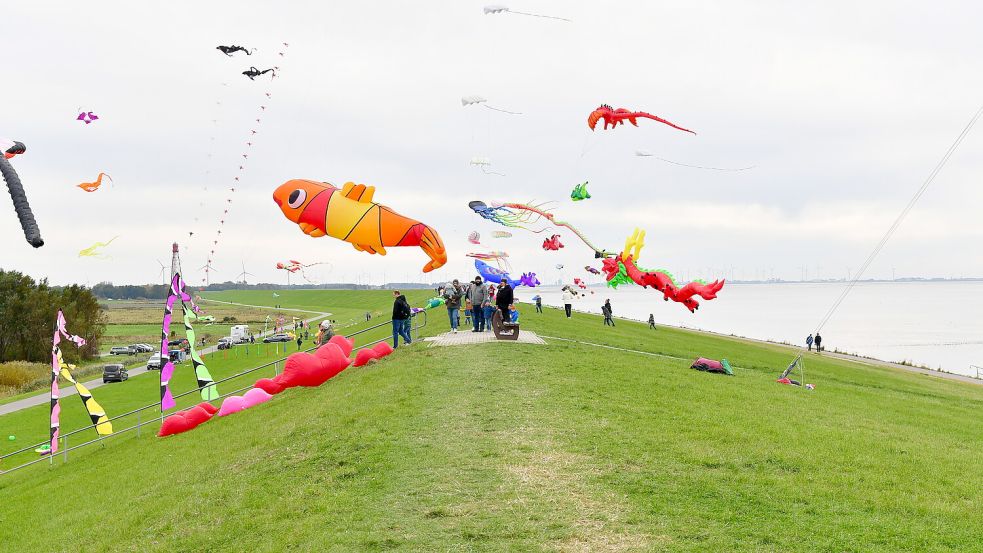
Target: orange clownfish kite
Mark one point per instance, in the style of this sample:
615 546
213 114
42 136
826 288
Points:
349 214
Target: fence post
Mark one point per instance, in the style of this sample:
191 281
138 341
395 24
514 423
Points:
138 423
65 451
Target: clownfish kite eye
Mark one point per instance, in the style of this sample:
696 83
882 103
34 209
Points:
297 198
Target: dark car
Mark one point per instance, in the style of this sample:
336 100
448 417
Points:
277 338
114 373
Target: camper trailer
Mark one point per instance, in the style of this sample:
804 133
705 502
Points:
239 334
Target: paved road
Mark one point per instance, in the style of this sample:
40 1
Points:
69 390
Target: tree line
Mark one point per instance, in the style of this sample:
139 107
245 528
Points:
28 309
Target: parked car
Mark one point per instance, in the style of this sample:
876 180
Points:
277 338
155 362
115 372
142 348
226 343
122 350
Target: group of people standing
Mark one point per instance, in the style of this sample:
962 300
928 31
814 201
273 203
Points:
481 302
818 340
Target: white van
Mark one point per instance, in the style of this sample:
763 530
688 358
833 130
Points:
239 334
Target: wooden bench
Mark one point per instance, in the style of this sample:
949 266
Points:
503 330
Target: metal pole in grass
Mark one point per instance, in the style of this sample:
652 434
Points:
65 445
138 423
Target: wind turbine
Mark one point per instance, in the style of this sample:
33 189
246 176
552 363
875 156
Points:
163 271
244 273
208 268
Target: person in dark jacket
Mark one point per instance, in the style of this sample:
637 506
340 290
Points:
652 321
503 299
401 319
819 343
608 313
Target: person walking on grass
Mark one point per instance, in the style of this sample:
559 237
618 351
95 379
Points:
452 299
819 343
299 341
608 313
539 303
488 307
809 342
401 319
567 299
503 299
478 295
652 321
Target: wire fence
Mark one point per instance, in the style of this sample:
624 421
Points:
150 414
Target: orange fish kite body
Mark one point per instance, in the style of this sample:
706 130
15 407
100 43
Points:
349 214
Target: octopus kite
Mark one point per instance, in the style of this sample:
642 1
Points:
11 148
93 186
552 243
614 117
253 72
622 269
474 237
349 214
229 50
526 216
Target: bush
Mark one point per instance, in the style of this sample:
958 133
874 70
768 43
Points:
17 375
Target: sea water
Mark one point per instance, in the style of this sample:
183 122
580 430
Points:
932 324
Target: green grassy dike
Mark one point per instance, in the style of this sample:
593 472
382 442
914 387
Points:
508 447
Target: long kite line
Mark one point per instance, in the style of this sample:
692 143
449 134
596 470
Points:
904 213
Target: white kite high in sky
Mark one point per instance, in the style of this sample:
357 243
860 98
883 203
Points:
498 8
478 100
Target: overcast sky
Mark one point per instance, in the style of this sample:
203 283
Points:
843 108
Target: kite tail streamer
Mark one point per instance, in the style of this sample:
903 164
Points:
96 413
21 205
539 15
501 110
58 366
549 216
167 369
205 382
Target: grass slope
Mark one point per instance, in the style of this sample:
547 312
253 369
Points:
522 447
